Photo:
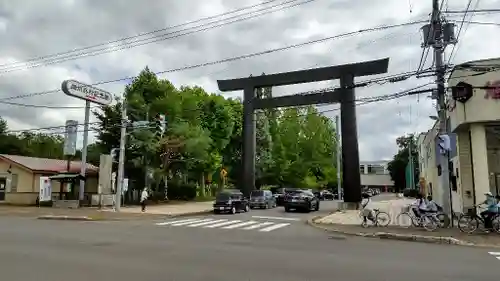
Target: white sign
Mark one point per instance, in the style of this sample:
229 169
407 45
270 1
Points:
86 92
70 137
45 189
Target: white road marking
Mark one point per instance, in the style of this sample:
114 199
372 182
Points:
205 223
273 227
222 224
240 224
276 218
496 254
257 225
176 221
190 222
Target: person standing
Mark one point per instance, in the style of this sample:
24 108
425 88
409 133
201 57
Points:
144 199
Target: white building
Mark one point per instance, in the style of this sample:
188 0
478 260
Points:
374 174
475 127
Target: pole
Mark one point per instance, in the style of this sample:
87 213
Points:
439 46
145 154
410 162
121 157
338 154
83 170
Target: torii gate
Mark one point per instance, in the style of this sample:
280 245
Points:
344 95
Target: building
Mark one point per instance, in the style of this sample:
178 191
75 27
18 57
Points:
474 122
20 177
374 174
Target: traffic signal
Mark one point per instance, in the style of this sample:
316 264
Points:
462 92
160 124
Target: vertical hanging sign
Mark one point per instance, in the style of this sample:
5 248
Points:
70 137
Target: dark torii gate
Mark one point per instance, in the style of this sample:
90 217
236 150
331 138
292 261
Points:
343 95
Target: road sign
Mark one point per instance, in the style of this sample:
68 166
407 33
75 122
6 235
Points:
70 137
86 92
223 172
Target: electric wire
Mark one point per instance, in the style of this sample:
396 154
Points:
142 42
236 58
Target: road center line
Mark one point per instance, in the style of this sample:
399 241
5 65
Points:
276 218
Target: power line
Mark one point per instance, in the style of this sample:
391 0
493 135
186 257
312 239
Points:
474 11
237 58
138 35
167 36
389 79
460 29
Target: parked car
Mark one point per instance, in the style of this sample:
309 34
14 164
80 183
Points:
231 202
326 195
263 199
301 200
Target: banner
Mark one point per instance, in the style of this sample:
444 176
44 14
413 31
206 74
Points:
70 137
45 189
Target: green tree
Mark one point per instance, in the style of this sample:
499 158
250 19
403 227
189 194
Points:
397 166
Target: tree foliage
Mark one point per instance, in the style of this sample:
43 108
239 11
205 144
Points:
397 166
295 146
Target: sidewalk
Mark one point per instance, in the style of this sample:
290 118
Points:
126 213
349 223
351 217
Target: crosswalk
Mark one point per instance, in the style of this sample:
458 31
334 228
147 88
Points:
261 226
495 254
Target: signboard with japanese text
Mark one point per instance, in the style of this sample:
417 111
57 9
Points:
86 92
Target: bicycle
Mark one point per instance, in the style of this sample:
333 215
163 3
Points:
429 221
380 218
473 221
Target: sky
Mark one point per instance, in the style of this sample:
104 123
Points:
32 29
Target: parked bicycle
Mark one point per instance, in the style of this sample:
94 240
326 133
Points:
471 221
380 218
429 221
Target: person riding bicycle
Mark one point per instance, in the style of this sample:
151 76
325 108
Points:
367 210
432 206
491 204
419 206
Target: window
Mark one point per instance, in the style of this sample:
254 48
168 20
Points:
362 169
13 183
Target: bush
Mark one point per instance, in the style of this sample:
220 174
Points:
181 191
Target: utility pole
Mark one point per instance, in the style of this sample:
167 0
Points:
338 154
146 173
442 36
121 157
410 162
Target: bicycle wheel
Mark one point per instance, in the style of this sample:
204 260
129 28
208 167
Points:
383 219
495 221
444 220
468 224
430 223
404 220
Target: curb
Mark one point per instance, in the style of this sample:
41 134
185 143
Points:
66 218
394 236
99 218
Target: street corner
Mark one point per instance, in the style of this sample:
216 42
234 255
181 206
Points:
67 218
341 231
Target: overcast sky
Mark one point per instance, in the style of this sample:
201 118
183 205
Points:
34 28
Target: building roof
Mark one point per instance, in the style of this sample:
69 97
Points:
47 165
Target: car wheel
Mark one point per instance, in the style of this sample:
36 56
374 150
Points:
287 209
216 211
247 209
233 210
316 208
309 208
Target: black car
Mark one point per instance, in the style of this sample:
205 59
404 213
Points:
262 199
326 195
301 200
231 202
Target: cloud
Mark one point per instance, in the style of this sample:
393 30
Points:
33 28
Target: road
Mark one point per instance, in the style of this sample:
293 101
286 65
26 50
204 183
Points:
166 250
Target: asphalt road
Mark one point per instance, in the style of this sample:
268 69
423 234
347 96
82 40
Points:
143 250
